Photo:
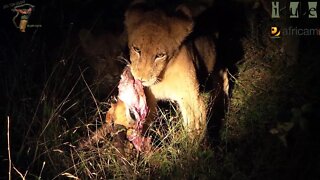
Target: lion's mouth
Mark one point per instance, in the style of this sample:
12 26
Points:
149 82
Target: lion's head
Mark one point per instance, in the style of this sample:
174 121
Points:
102 53
153 39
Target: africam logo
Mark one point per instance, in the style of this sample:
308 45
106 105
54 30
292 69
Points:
296 10
293 31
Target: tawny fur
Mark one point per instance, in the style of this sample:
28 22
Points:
117 115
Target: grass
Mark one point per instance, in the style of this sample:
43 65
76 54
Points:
254 136
56 141
173 153
50 143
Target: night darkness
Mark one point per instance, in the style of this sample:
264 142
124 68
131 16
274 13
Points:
50 74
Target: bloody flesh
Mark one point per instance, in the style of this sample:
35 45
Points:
132 94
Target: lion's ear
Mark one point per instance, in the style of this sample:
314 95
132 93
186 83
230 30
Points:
134 15
182 24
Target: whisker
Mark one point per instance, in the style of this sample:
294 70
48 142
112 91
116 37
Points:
157 80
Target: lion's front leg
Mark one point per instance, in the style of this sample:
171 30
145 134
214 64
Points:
194 115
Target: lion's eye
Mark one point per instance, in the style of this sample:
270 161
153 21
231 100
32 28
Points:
133 117
137 50
160 56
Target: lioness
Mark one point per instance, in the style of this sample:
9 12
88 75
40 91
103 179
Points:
103 54
165 59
